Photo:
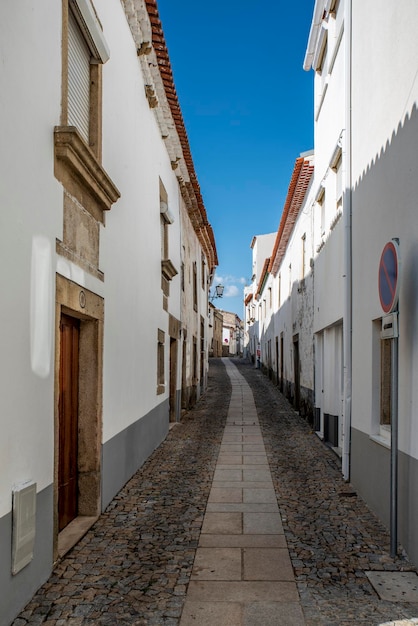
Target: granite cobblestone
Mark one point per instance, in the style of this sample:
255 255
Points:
134 566
332 536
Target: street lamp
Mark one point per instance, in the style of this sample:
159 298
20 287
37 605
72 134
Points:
219 292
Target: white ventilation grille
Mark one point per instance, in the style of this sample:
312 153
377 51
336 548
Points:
24 524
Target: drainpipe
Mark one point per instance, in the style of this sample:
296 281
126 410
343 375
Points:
347 217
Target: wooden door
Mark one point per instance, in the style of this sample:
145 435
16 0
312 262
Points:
68 421
296 361
173 380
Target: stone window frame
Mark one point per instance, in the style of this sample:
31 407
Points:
77 164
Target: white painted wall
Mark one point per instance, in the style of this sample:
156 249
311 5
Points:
385 195
135 157
30 217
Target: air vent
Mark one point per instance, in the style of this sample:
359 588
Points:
24 524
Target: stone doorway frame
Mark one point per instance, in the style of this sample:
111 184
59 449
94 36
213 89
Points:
88 307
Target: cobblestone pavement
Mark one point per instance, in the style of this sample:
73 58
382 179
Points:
133 567
332 536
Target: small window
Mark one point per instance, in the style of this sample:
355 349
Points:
195 286
203 272
303 259
160 362
321 204
194 358
385 381
339 182
86 52
79 57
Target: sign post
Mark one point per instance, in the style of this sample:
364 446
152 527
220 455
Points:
388 293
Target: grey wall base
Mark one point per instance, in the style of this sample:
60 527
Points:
370 474
124 454
16 591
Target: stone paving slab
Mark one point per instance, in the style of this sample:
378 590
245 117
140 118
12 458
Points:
243 507
259 495
237 484
272 614
257 475
243 541
225 475
212 613
231 459
267 564
242 538
262 523
217 564
229 495
222 523
243 591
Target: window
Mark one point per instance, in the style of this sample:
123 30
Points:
160 362
195 359
78 79
195 286
168 271
87 51
78 139
320 65
320 199
203 272
385 381
381 384
303 260
164 238
339 182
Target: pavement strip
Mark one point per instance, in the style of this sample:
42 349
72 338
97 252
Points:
242 573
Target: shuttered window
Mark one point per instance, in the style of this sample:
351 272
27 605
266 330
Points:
79 56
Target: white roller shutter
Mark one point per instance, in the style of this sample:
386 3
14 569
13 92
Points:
79 56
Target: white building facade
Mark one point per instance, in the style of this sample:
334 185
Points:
365 132
362 198
384 126
102 225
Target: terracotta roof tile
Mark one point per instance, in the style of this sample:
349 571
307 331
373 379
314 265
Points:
299 183
205 232
263 275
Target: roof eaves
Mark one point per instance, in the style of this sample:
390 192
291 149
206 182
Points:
203 228
299 183
263 278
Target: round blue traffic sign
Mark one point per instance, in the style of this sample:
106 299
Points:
389 277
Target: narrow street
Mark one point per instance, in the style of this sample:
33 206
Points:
196 536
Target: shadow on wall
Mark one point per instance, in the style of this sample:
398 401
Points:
291 359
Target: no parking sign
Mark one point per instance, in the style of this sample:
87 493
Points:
389 276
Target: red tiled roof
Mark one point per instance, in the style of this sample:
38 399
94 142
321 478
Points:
264 273
200 221
299 183
248 299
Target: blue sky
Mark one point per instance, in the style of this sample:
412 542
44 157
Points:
247 104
